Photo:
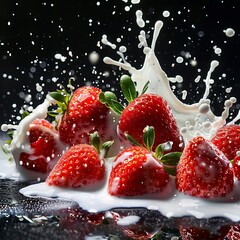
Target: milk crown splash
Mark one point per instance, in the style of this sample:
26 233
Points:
192 119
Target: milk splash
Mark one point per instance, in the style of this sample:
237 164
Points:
21 143
192 119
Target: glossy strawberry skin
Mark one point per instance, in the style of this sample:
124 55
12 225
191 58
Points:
151 110
85 114
136 172
80 165
43 146
196 233
227 139
234 232
138 230
236 167
203 170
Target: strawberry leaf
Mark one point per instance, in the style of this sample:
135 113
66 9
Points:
132 140
106 146
110 99
159 151
148 137
58 96
128 88
145 87
53 113
102 98
171 159
10 134
170 170
24 114
95 141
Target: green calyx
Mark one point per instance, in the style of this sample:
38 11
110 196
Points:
102 149
62 98
169 160
129 91
110 100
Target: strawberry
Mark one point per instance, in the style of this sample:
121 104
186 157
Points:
137 170
78 223
43 142
83 114
203 170
236 167
144 110
79 166
200 233
227 139
234 232
138 230
150 109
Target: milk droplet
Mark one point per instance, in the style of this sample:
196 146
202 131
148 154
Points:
135 1
229 32
166 13
93 57
217 50
228 90
59 56
139 19
38 87
184 94
106 42
127 8
123 49
179 59
204 108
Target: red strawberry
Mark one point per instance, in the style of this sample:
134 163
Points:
153 110
203 170
196 233
234 232
43 142
144 110
137 230
227 139
80 165
136 172
236 167
85 114
78 223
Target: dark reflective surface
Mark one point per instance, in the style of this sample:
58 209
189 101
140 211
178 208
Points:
38 218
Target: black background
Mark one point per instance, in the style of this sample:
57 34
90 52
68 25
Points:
32 32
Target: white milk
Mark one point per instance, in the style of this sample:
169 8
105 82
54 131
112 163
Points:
170 202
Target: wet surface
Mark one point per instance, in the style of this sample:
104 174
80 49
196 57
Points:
38 218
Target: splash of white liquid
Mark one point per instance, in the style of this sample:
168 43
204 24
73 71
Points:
190 119
20 142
